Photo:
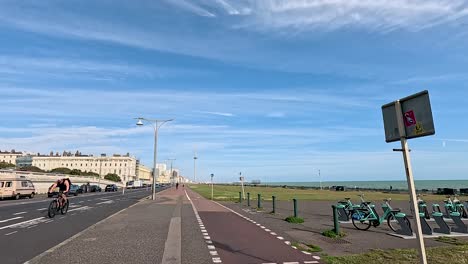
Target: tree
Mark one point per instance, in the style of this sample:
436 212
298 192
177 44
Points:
112 177
76 172
31 168
61 170
6 165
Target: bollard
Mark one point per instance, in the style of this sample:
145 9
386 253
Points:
336 224
248 199
240 197
259 201
274 204
295 207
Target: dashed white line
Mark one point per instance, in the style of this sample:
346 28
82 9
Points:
290 262
217 260
11 233
211 247
40 209
280 238
311 262
19 213
31 226
273 233
214 253
11 219
307 253
287 243
267 230
316 257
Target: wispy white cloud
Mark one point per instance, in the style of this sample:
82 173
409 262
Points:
191 7
217 113
375 15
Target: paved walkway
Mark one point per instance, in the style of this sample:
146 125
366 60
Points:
236 238
162 231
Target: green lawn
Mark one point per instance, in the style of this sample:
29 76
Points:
437 255
231 193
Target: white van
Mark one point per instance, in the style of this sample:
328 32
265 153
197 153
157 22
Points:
13 186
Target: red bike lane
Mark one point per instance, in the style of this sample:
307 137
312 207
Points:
236 239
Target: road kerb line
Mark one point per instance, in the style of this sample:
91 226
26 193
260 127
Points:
11 233
38 258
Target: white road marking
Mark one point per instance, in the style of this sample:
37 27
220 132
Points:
80 209
311 262
217 260
214 253
287 243
273 233
290 262
268 230
307 253
106 202
280 238
19 213
211 247
25 223
316 257
10 219
11 233
40 209
32 226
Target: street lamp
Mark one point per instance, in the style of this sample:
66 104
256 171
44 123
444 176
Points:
212 175
172 172
157 123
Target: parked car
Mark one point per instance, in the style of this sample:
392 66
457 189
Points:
16 187
111 188
74 190
95 188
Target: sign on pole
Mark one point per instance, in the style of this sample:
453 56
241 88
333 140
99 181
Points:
407 118
417 117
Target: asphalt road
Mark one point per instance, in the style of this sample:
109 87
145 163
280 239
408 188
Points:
26 230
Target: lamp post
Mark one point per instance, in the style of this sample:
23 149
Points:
172 172
157 123
212 175
194 168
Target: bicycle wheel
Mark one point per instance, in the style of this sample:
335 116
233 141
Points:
64 208
392 222
52 209
358 223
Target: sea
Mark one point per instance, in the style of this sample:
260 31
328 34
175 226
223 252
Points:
396 185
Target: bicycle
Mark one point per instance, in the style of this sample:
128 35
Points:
422 207
454 205
350 207
364 218
54 207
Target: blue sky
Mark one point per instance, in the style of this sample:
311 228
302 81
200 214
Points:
273 89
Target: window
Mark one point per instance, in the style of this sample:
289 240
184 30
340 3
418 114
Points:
120 171
30 184
1 184
24 184
81 165
8 184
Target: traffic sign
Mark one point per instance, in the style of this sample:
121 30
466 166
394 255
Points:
417 117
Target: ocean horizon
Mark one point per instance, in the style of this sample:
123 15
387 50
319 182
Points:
400 185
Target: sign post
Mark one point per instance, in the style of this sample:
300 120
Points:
241 179
407 118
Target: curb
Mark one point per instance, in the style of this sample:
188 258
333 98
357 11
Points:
38 258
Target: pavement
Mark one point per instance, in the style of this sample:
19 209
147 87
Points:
178 227
24 224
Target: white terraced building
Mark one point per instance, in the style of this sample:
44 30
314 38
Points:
124 166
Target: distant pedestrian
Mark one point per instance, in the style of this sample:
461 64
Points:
177 186
391 187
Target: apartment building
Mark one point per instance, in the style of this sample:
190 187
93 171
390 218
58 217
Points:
122 165
143 173
9 156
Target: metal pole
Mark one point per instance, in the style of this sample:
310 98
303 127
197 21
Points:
248 199
336 224
212 186
259 201
153 187
240 197
410 180
194 169
242 184
274 204
295 207
320 177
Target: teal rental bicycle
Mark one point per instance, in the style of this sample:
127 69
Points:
455 206
349 206
364 218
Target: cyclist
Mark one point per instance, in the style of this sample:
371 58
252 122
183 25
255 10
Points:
64 187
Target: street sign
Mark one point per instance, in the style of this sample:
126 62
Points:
417 117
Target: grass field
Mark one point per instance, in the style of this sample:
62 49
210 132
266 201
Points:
231 193
437 255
